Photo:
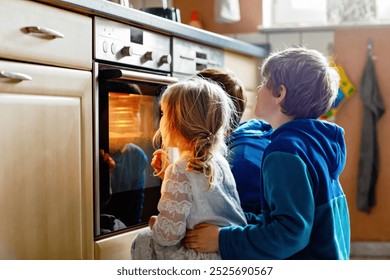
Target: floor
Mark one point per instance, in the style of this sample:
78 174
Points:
370 251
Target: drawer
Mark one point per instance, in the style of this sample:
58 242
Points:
73 50
190 57
43 80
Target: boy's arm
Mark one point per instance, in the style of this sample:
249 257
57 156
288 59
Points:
287 225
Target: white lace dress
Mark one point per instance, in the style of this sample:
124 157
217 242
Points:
185 202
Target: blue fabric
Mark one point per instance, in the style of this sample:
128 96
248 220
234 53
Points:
246 145
129 172
304 210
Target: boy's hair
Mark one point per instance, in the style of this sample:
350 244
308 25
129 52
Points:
232 86
311 83
199 112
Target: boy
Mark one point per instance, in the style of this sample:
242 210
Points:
304 210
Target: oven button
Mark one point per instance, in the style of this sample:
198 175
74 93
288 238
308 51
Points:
166 59
105 46
113 48
127 51
149 56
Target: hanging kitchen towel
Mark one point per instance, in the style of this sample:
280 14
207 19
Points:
227 11
346 90
369 159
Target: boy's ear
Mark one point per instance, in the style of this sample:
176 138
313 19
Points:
282 94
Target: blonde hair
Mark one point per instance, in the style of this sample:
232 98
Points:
197 116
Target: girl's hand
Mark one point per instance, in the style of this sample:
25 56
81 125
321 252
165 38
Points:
107 159
152 221
203 238
160 161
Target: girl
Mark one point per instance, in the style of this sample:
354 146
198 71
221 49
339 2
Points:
199 186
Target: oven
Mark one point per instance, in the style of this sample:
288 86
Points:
132 67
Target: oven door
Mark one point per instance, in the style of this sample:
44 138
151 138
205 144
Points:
126 119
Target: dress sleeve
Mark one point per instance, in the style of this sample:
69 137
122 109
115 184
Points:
174 207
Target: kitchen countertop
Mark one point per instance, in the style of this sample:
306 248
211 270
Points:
128 15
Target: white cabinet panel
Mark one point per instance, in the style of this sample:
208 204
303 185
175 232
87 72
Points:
46 166
280 41
321 41
318 40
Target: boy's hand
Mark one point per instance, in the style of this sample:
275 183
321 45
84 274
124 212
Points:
203 238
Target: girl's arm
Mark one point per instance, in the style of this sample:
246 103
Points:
174 207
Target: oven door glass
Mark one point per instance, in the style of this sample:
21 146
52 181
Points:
129 116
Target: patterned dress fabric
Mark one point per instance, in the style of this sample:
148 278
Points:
187 200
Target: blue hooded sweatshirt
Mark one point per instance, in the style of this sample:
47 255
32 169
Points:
246 145
304 209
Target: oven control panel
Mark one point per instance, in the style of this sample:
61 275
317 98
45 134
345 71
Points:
132 46
190 57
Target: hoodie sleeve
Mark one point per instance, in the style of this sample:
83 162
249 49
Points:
252 218
285 228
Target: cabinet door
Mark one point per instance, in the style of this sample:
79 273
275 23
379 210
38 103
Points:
46 163
246 68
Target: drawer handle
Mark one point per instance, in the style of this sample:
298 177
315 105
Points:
15 76
43 30
187 57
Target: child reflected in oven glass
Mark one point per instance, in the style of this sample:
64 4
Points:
198 187
127 167
304 211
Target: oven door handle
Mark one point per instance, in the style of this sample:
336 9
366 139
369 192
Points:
119 74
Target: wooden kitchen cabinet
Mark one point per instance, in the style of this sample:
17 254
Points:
246 68
46 166
46 199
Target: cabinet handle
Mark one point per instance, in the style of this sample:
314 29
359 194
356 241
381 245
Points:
43 30
15 76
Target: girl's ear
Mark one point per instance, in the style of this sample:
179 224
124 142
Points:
282 94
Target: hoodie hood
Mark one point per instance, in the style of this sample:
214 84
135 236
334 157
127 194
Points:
320 142
249 133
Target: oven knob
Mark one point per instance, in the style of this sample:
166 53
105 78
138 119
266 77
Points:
149 56
105 46
127 51
113 48
166 59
